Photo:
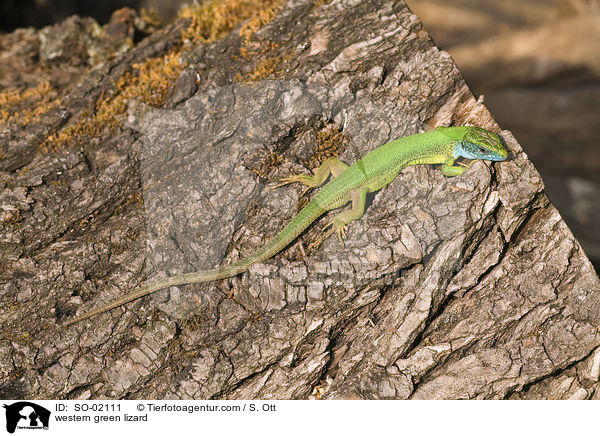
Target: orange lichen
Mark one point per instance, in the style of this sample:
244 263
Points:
148 82
271 160
319 3
213 19
262 16
150 17
12 97
266 67
330 142
151 80
42 97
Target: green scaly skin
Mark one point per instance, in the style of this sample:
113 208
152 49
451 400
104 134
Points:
350 184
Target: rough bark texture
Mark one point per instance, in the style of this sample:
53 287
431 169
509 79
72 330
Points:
467 287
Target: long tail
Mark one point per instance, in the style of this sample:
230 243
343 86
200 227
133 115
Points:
304 218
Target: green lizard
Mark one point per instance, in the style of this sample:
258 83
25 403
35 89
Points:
349 184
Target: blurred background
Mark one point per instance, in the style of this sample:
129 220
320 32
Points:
537 63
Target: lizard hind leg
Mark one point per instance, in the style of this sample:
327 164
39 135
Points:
332 166
341 220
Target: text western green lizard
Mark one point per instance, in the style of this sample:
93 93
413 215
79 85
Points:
350 184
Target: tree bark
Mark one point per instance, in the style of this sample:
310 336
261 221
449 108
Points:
466 287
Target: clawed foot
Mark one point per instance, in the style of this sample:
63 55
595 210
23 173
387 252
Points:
337 226
297 178
466 164
319 241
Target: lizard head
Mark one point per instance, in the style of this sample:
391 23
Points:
478 143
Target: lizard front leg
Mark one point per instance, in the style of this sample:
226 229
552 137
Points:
332 166
451 170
